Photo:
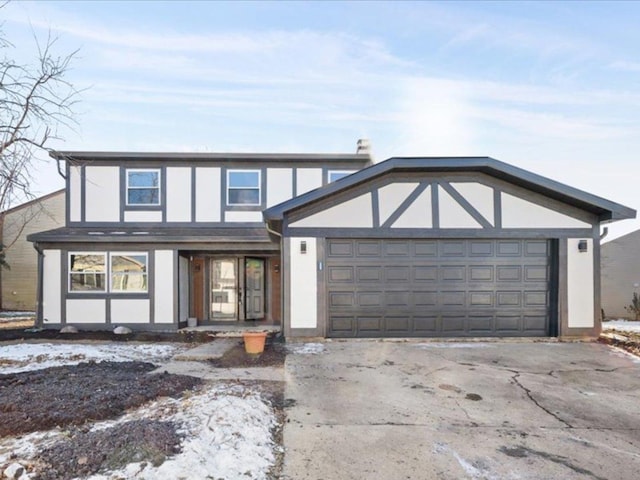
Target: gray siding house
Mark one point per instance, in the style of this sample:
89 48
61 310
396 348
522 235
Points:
620 274
324 245
18 284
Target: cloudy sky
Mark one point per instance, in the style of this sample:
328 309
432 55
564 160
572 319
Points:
552 87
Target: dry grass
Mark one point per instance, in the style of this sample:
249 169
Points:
21 323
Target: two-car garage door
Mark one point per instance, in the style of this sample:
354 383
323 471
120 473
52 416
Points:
431 288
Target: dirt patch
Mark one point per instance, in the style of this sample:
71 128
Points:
273 356
86 453
73 395
628 341
13 333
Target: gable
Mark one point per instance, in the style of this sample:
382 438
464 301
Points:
445 202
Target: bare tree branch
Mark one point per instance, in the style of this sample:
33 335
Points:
36 101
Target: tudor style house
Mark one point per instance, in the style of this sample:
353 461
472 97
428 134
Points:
323 245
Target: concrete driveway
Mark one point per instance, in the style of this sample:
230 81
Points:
389 410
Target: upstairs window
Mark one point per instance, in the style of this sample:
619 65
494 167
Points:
143 187
243 187
338 174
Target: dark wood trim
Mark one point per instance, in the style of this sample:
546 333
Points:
406 203
375 208
464 203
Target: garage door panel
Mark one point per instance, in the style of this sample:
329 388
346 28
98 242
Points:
396 273
396 248
453 273
482 273
453 323
509 273
368 248
481 324
340 274
370 299
424 248
396 299
431 288
452 248
481 299
425 324
341 299
369 274
481 248
424 298
425 273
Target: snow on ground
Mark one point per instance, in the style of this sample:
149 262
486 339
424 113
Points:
227 432
306 348
35 356
623 325
228 435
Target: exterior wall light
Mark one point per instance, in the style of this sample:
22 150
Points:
303 247
582 246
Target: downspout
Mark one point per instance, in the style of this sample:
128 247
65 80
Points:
40 286
605 232
270 230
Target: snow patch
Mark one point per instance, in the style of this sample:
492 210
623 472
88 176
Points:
226 428
35 356
306 349
622 325
227 435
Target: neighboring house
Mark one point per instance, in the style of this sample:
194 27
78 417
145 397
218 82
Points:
620 261
410 247
18 283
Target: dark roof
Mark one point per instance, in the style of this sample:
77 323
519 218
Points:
153 235
605 209
202 157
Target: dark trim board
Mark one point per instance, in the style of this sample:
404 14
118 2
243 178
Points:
437 233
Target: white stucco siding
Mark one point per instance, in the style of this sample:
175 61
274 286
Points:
279 185
391 196
580 285
479 196
239 216
51 287
143 216
87 310
207 194
125 310
163 280
75 194
418 214
452 214
308 179
519 213
178 194
304 284
102 194
354 213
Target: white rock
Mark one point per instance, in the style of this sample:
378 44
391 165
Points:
122 330
69 329
14 471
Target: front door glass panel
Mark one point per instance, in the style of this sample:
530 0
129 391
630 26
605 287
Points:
224 289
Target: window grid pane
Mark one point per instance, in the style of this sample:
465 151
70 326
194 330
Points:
143 187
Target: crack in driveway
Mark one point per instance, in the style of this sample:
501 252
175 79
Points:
537 404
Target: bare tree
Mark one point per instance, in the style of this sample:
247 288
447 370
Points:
36 100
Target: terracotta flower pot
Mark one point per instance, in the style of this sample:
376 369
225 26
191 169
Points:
254 342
